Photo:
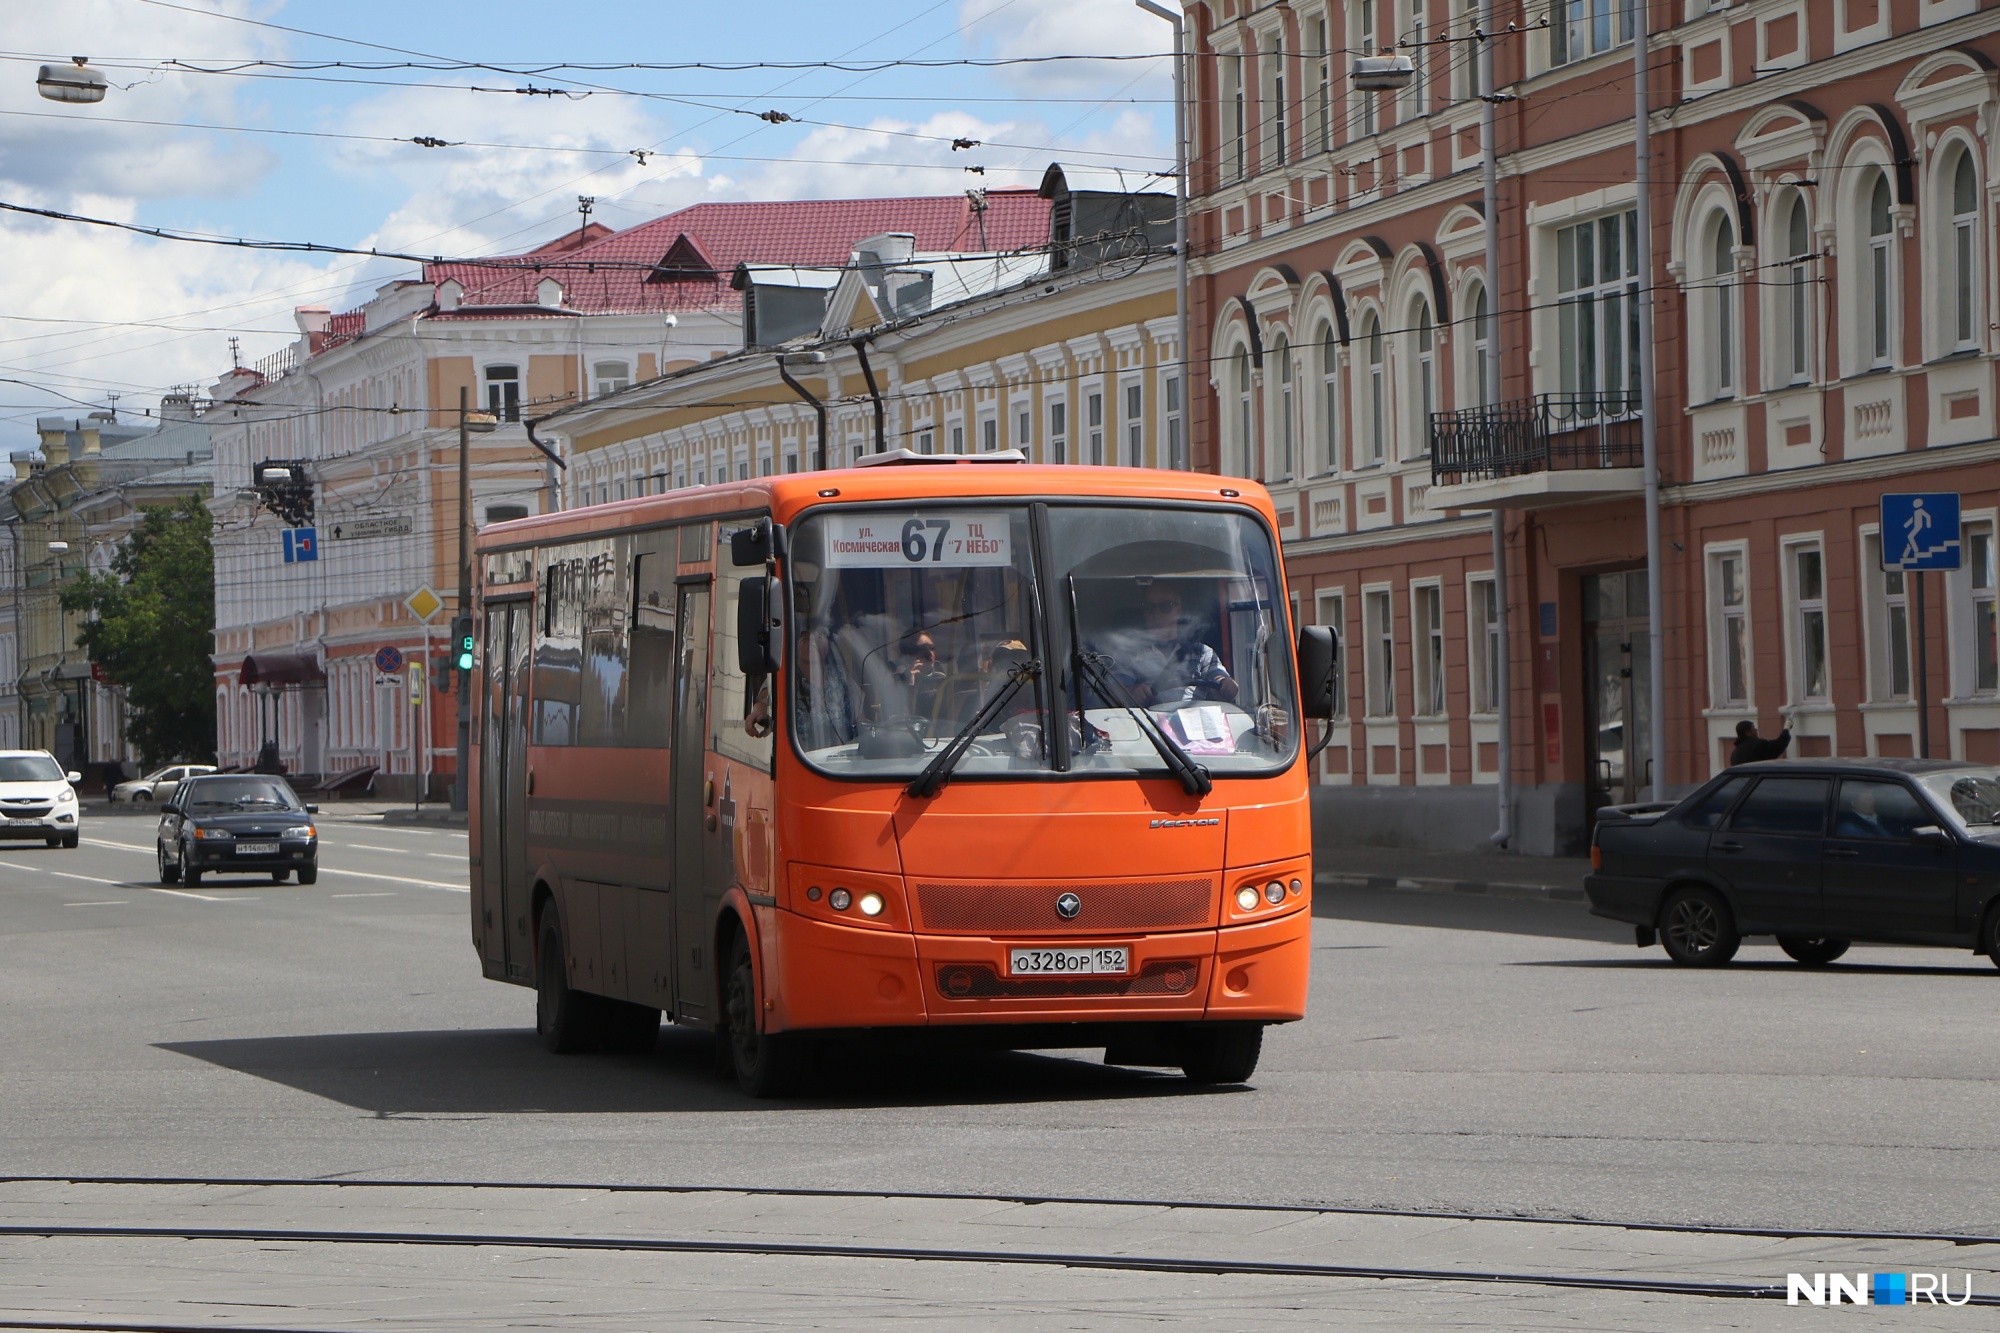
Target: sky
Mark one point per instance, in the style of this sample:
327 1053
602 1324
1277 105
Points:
219 145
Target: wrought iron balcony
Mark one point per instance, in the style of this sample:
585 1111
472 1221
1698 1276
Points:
1547 433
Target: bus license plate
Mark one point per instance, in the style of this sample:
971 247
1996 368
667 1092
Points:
256 849
1066 962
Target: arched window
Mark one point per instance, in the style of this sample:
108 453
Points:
1795 291
1880 309
1722 308
1245 434
1964 253
1480 378
1423 384
1329 400
1371 336
1284 409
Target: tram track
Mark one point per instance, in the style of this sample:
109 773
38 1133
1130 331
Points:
736 1244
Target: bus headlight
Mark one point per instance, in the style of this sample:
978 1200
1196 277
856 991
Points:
1246 897
871 904
1274 893
839 900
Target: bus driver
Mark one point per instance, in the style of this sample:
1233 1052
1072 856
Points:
1168 667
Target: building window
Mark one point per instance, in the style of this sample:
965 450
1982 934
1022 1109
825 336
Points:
1379 631
1323 95
1364 44
1809 622
1093 418
1729 611
1795 293
1232 114
1722 308
1277 149
1980 575
1244 433
1176 424
1481 377
1582 28
1880 314
1425 385
1417 99
1485 646
1024 429
925 442
958 439
989 434
1428 635
1059 432
1283 407
1888 617
1329 400
1964 254
1465 62
1371 337
503 392
1135 425
1333 611
1597 309
611 376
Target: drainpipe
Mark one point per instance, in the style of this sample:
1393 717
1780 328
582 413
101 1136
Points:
1648 403
1489 184
786 359
875 392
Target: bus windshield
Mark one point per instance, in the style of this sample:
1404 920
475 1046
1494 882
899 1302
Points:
909 621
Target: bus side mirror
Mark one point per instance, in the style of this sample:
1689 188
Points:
754 545
757 601
1319 656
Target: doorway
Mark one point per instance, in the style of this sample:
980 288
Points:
1617 654
503 795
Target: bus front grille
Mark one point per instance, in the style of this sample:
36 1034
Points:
977 981
1001 908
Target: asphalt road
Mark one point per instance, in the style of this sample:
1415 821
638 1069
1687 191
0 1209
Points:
1466 1055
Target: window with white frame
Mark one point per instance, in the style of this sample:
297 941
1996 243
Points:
1979 572
1794 292
1135 425
1329 399
1597 315
1283 409
1717 300
1364 43
1464 57
503 392
1878 286
1093 425
989 434
958 438
1245 432
1427 635
1379 630
1059 432
1729 629
1376 390
1276 146
1964 253
1481 376
1322 58
1416 98
1886 611
611 376
1808 589
1423 380
1485 654
1582 28
1024 430
1174 422
1333 612
1230 64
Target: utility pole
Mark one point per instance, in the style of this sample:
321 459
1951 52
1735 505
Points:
1180 202
468 422
1649 423
1489 182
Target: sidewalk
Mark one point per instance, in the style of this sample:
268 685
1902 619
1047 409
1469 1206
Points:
1494 874
433 814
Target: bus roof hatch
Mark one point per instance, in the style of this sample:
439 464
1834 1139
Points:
898 457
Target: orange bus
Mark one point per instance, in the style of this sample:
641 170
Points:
944 743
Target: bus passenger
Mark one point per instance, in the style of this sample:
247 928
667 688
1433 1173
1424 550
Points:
826 702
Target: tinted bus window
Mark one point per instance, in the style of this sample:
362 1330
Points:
649 697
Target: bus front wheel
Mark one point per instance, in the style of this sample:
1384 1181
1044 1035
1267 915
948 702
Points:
1221 1052
767 1064
565 1019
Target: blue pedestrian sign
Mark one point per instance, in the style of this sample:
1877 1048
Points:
389 660
302 545
1920 531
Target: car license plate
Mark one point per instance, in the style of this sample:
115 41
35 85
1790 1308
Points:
256 849
13 820
1066 962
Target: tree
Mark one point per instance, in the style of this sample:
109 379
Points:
152 628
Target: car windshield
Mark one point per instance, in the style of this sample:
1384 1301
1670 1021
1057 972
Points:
1969 796
909 621
29 768
239 794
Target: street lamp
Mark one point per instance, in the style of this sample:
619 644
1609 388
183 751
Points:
807 360
482 423
74 82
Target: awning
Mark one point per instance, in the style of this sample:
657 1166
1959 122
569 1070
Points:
282 669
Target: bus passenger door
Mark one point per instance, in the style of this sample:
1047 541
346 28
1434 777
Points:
693 813
503 790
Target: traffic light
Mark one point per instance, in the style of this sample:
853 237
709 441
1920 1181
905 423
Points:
441 673
461 631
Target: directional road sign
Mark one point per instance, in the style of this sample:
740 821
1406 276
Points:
1920 531
389 660
301 545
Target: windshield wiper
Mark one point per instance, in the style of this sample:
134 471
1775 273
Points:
1194 778
938 772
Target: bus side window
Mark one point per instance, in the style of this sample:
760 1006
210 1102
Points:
729 735
650 697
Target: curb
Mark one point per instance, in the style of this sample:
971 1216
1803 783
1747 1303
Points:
1562 893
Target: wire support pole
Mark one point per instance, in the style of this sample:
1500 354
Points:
1649 417
1180 196
461 785
1489 185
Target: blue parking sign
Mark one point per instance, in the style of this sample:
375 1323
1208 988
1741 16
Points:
302 544
1920 531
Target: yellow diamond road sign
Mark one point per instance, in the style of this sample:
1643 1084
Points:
424 603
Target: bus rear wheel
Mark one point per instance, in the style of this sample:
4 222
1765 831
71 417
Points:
1221 1052
766 1063
565 1019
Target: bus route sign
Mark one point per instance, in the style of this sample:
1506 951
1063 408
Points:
954 538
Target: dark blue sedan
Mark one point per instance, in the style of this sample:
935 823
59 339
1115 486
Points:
1818 853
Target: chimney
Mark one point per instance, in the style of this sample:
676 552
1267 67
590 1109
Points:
313 319
177 407
93 442
24 465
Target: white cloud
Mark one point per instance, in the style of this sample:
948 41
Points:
1028 29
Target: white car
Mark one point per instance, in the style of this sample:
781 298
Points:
38 799
158 785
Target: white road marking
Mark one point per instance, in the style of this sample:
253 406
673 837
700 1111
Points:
360 895
106 842
64 874
108 902
371 847
183 893
448 856
398 879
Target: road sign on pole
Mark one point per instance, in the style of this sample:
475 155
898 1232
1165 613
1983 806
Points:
1920 531
389 660
301 545
424 603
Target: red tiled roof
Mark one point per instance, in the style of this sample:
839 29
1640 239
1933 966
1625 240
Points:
794 231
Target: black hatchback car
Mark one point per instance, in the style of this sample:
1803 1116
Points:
1819 853
237 824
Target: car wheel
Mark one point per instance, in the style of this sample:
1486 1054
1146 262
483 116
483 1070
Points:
1989 935
189 875
309 873
139 796
766 1063
1221 1052
565 1019
1812 950
71 840
169 872
1697 928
